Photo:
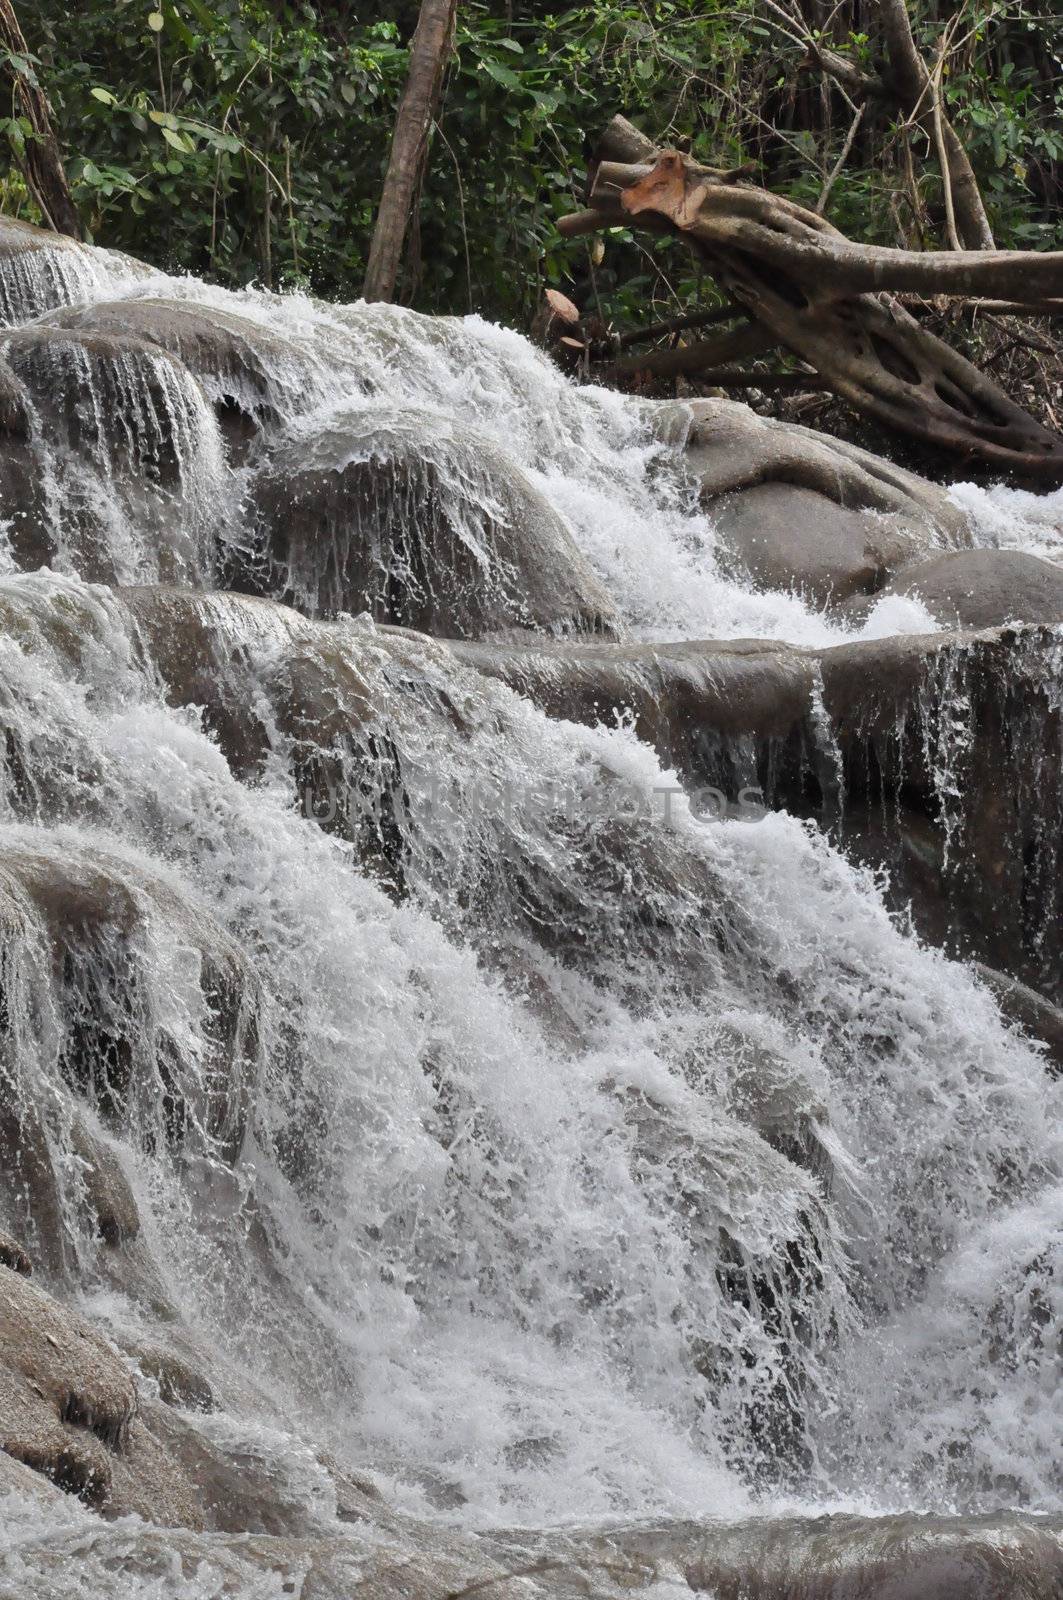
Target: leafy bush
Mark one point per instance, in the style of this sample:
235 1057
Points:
244 139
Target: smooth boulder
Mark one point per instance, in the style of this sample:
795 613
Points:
978 589
252 376
40 270
794 509
782 536
423 522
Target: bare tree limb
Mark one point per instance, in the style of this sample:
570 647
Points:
812 290
780 382
912 83
955 241
836 170
749 340
694 319
805 246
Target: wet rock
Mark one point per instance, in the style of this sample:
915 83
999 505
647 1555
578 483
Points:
111 1204
179 1383
12 1255
121 460
729 714
781 536
31 1183
148 1481
21 491
252 376
978 589
1040 1018
69 1411
423 523
66 1399
80 928
203 646
247 1483
40 269
14 413
16 1478
943 753
411 1563
1006 1556
795 509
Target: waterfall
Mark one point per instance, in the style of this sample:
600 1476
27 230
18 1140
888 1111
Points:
411 1074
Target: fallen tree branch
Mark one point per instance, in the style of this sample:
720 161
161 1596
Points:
1022 342
736 378
579 222
749 340
808 288
806 248
695 319
1017 308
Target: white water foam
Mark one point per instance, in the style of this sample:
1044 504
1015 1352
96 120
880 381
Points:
617 1169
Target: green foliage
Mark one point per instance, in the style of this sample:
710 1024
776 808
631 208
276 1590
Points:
246 139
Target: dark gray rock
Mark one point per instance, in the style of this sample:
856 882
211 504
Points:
938 756
796 509
1030 1010
40 270
423 523
108 425
253 377
12 1255
782 536
978 589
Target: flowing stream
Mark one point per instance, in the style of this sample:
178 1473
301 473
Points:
553 1159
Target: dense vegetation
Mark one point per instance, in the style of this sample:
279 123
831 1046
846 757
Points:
243 139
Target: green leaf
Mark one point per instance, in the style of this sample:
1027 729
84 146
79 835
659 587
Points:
21 65
104 96
501 74
178 141
348 92
220 141
156 21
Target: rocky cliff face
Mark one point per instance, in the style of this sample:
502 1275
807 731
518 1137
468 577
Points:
469 1120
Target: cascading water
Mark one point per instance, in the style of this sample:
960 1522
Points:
483 1116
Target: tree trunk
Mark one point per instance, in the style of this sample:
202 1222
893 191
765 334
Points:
803 245
555 319
429 49
918 96
44 167
814 291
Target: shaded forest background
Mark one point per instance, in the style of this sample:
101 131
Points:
247 141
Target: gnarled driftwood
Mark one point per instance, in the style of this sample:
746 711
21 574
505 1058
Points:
824 298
